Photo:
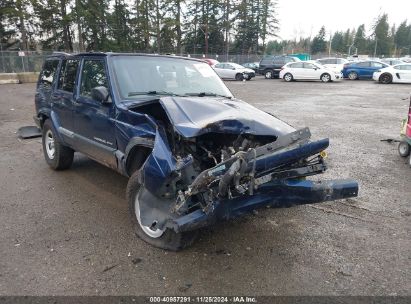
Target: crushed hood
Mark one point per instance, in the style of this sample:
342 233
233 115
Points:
193 116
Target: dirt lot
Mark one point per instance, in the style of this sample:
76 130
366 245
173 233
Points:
67 233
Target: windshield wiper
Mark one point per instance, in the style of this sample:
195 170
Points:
153 93
202 94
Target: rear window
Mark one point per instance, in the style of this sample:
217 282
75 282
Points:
48 74
68 73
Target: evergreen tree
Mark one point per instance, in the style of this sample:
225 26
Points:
319 44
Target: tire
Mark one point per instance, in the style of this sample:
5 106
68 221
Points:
58 156
325 77
352 75
269 74
385 78
404 149
239 77
288 77
165 239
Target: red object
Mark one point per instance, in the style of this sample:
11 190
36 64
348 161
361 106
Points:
211 61
408 128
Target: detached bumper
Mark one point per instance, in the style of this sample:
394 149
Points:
284 193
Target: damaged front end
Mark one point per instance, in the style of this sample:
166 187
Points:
191 182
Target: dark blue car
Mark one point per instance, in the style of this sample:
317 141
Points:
193 153
361 69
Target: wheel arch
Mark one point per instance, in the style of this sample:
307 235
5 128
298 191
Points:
137 152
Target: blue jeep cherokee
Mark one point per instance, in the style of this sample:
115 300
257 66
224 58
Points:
193 152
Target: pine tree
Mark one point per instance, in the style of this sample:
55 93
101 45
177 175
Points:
319 44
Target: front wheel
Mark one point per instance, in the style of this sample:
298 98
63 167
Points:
58 156
325 77
403 149
288 77
385 78
162 238
239 77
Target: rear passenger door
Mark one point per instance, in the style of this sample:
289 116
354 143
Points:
46 83
63 97
93 123
364 69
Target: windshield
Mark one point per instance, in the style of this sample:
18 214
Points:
145 75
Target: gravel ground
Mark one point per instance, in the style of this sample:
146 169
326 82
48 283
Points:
68 233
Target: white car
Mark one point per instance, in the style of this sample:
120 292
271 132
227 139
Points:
398 73
229 70
335 64
305 70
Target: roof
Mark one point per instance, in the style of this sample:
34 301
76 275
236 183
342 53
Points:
109 54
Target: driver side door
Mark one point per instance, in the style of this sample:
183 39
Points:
93 123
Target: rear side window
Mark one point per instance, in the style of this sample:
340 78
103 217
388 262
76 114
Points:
266 61
377 65
93 75
297 65
364 64
279 60
68 73
48 74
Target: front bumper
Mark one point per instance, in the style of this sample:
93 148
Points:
283 193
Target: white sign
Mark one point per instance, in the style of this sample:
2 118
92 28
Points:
22 54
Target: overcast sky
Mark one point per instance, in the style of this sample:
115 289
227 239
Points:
303 17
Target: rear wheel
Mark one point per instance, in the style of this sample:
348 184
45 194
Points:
288 77
385 78
162 238
239 77
404 149
352 75
325 77
268 74
58 156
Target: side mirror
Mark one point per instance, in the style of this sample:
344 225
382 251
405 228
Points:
101 94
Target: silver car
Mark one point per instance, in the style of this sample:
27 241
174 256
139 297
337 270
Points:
229 70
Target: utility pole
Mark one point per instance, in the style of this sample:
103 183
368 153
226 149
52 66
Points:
329 48
375 47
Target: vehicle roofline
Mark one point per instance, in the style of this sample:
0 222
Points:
112 54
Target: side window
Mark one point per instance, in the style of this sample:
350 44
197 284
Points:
377 65
93 75
228 66
289 59
219 66
309 66
297 65
68 73
48 73
364 64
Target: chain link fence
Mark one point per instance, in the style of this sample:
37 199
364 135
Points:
19 61
32 61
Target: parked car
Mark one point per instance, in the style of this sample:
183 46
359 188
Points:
392 61
251 65
270 66
210 61
230 70
335 64
362 69
400 73
306 70
193 153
